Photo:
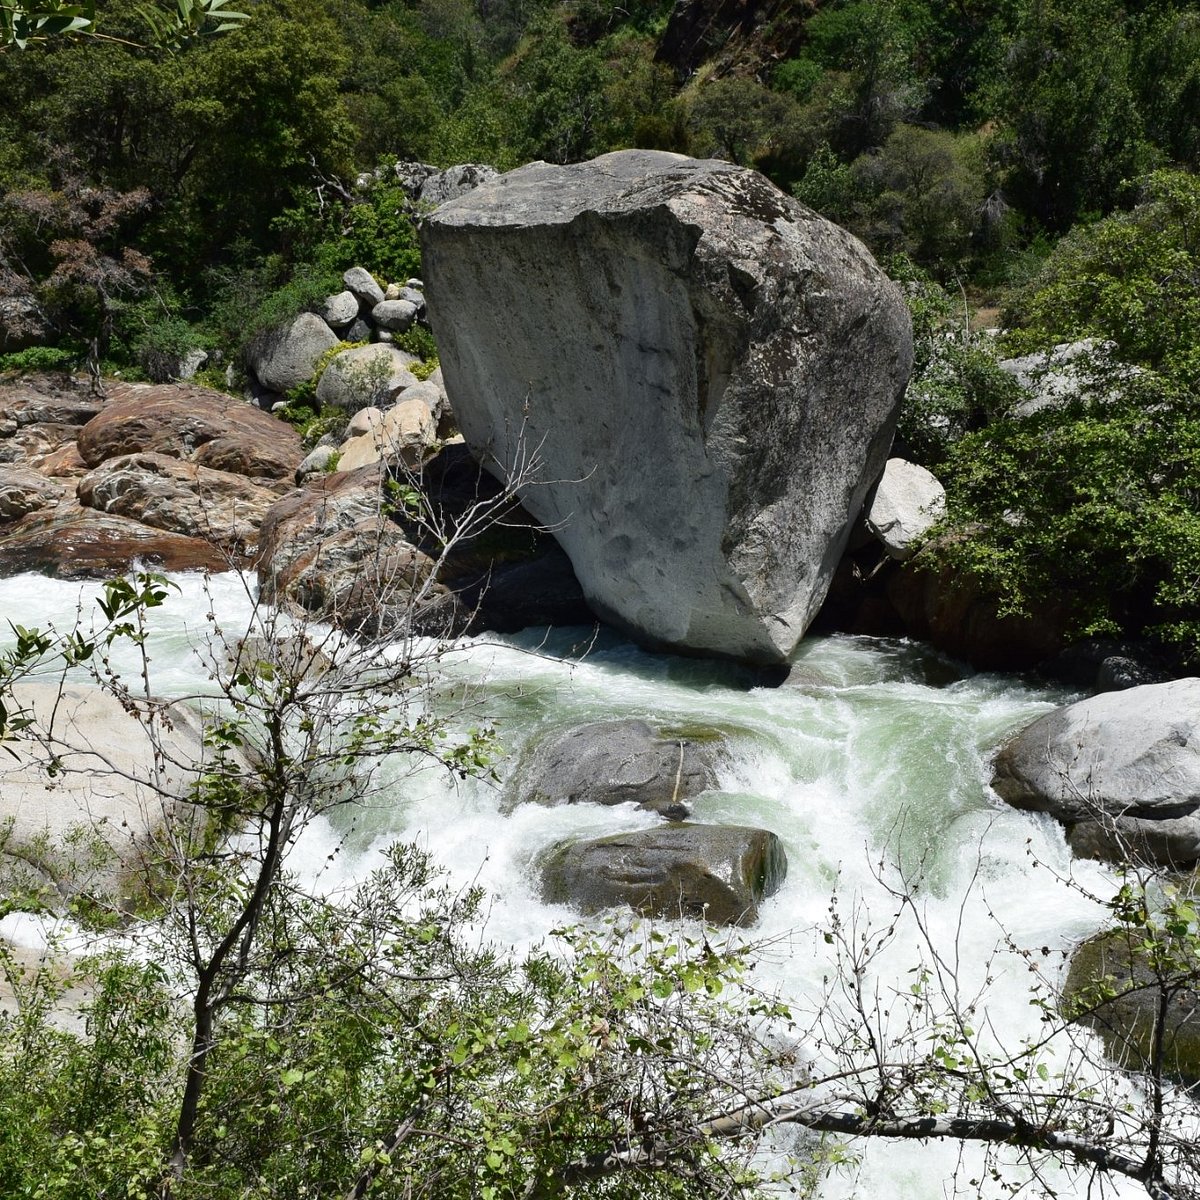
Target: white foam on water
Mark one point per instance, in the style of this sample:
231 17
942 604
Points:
872 766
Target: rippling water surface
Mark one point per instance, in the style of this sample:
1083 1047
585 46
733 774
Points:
878 752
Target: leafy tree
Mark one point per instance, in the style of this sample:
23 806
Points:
26 21
1166 74
868 47
561 90
23 22
737 119
61 256
1132 279
257 109
1070 134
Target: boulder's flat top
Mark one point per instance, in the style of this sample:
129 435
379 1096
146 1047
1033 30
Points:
621 182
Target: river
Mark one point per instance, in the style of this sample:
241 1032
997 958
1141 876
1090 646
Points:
872 764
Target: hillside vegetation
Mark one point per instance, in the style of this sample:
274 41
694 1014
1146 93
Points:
1028 156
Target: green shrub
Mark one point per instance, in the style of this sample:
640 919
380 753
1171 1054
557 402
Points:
961 388
797 76
418 340
1132 279
1094 504
379 233
160 349
42 358
253 299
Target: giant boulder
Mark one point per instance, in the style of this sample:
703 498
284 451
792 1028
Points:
1121 770
707 372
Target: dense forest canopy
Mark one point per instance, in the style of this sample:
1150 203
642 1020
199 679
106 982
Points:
166 185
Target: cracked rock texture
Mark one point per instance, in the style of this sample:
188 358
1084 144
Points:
705 371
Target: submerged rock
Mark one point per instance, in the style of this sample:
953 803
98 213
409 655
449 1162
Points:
706 371
619 762
715 872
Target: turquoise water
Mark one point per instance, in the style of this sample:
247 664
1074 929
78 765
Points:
872 766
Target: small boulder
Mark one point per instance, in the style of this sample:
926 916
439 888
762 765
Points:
718 873
1121 770
619 762
45 399
331 550
340 310
364 421
907 503
22 323
362 283
36 444
24 490
440 186
286 357
428 393
410 294
316 463
359 331
364 376
401 436
394 315
1067 372
1107 665
190 362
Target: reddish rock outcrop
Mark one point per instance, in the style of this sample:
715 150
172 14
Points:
181 497
183 421
330 549
24 490
75 543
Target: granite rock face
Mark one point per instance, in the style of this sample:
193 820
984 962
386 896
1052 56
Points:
718 873
1121 770
619 762
707 371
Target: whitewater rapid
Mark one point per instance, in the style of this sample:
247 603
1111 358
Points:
877 753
